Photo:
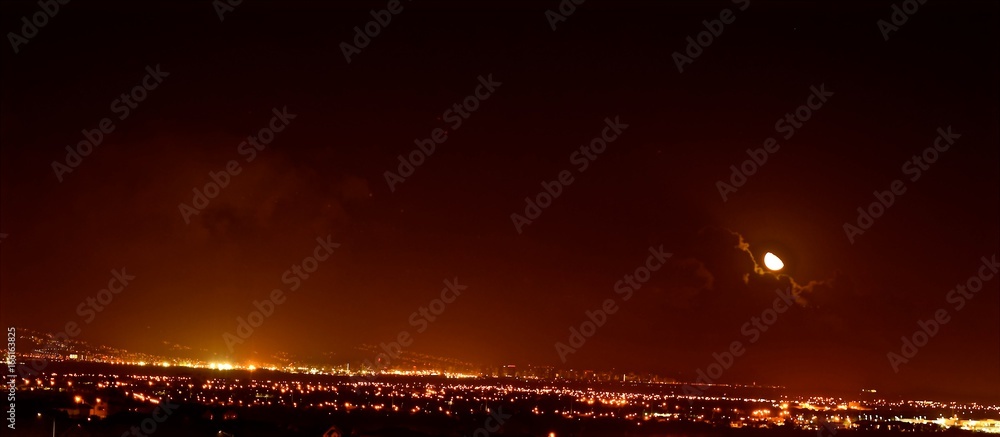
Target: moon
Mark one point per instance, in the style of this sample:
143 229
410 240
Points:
772 262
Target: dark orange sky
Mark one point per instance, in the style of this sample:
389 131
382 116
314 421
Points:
655 184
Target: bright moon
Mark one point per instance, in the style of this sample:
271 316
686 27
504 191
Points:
773 262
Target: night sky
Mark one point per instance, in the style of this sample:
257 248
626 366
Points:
324 174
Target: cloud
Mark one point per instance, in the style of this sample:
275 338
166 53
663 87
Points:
722 268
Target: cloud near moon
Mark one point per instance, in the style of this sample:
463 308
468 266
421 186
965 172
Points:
720 261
